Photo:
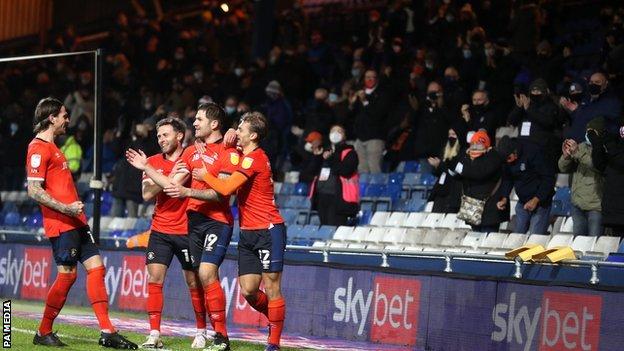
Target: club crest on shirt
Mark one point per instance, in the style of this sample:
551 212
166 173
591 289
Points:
73 252
247 162
150 255
234 158
35 160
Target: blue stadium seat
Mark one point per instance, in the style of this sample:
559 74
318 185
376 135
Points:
280 200
427 179
142 224
314 218
375 190
12 219
396 178
393 191
424 166
287 189
289 215
364 217
325 232
34 221
411 179
411 166
302 189
294 231
88 209
295 201
379 178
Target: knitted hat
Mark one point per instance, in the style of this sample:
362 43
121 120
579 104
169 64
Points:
597 124
481 137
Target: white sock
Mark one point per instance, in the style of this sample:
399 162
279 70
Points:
155 333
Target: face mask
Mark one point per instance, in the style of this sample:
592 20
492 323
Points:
450 18
429 65
335 137
272 96
452 141
478 109
308 147
147 106
396 49
537 98
432 96
595 89
14 128
333 97
272 60
198 75
467 53
355 72
587 139
230 109
489 52
179 56
239 71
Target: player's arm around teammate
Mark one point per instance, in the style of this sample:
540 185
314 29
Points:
169 235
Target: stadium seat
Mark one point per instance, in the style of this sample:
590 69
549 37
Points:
289 215
567 226
396 219
449 221
431 241
512 241
433 220
287 189
298 202
378 178
451 240
411 179
410 205
604 246
291 177
471 241
277 187
343 233
302 189
376 235
427 179
412 238
129 223
559 240
294 231
491 242
583 244
393 236
429 207
365 178
538 239
359 234
396 178
142 224
414 219
12 219
364 217
325 232
375 190
379 218
116 224
411 166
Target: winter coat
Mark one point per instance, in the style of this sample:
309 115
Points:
338 167
608 157
587 181
479 178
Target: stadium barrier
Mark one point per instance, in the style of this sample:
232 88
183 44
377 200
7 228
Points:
418 311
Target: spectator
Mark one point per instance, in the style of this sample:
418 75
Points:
480 172
73 153
537 117
311 154
608 158
14 136
280 116
534 181
319 116
433 123
454 93
446 193
400 145
335 192
600 101
370 107
479 115
587 183
231 113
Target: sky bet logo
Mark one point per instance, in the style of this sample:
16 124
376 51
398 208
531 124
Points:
392 308
563 322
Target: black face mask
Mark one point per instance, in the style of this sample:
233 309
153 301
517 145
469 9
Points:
594 89
537 98
433 96
452 141
478 109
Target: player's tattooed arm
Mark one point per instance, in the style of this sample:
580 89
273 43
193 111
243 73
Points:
37 193
205 195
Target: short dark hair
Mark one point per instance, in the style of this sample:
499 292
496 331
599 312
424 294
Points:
174 122
213 111
257 123
46 107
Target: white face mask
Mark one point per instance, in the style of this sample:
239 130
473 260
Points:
335 137
230 109
308 147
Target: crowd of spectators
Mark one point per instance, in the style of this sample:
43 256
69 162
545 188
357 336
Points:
414 79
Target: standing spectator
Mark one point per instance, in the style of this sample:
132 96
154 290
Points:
280 116
231 114
73 153
310 153
479 115
335 193
14 136
370 107
534 180
446 193
587 183
608 158
600 101
433 123
454 93
319 116
480 172
537 117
